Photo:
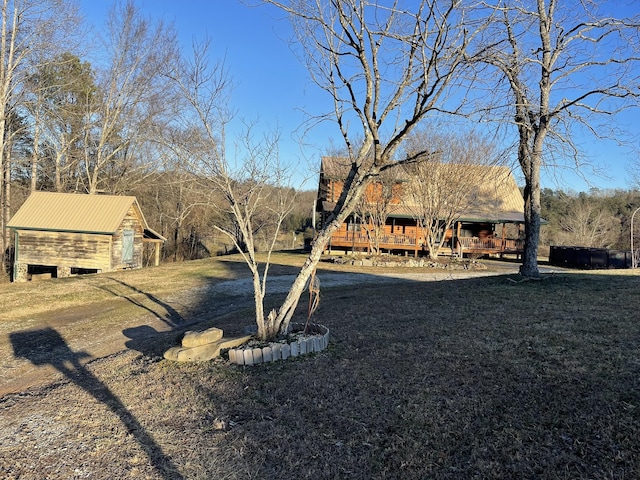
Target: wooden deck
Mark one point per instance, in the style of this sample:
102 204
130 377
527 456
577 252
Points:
467 245
491 245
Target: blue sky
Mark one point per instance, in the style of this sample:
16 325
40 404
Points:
273 87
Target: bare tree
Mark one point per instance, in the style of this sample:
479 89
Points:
27 28
564 66
133 96
588 224
384 68
60 92
249 184
442 187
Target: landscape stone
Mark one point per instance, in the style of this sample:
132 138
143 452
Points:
267 354
251 356
310 345
257 356
239 357
204 352
276 350
196 339
248 357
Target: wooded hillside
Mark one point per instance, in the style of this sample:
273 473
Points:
599 218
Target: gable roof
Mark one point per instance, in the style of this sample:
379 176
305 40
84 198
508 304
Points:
495 198
334 168
337 168
70 212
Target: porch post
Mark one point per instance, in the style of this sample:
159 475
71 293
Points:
353 236
157 252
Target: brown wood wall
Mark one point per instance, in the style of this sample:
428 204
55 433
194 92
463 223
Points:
330 190
79 250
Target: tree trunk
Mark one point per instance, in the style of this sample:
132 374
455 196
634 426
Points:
265 331
58 172
36 152
433 253
4 190
353 190
529 267
288 307
6 214
530 161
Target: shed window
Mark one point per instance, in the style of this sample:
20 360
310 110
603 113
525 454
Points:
127 246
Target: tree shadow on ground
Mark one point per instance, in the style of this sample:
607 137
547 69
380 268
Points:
171 316
148 341
47 347
469 378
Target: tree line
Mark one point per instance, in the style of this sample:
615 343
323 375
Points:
598 218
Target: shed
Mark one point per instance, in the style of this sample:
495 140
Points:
64 234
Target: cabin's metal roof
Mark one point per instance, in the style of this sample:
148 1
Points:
69 212
337 168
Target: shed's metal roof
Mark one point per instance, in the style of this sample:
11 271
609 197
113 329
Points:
69 212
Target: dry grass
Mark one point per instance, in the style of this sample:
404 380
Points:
477 378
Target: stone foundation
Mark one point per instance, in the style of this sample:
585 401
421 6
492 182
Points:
20 272
64 272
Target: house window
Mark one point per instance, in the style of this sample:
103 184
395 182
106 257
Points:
127 246
354 227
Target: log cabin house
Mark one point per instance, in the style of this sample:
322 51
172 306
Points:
490 223
65 234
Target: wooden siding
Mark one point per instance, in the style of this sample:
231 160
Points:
73 234
79 250
131 221
495 200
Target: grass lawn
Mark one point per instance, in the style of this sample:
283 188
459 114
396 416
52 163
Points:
459 379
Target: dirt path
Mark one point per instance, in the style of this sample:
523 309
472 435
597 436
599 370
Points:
155 328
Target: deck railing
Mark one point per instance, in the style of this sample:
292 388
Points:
491 244
362 239
469 244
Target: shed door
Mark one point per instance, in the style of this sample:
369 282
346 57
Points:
127 246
